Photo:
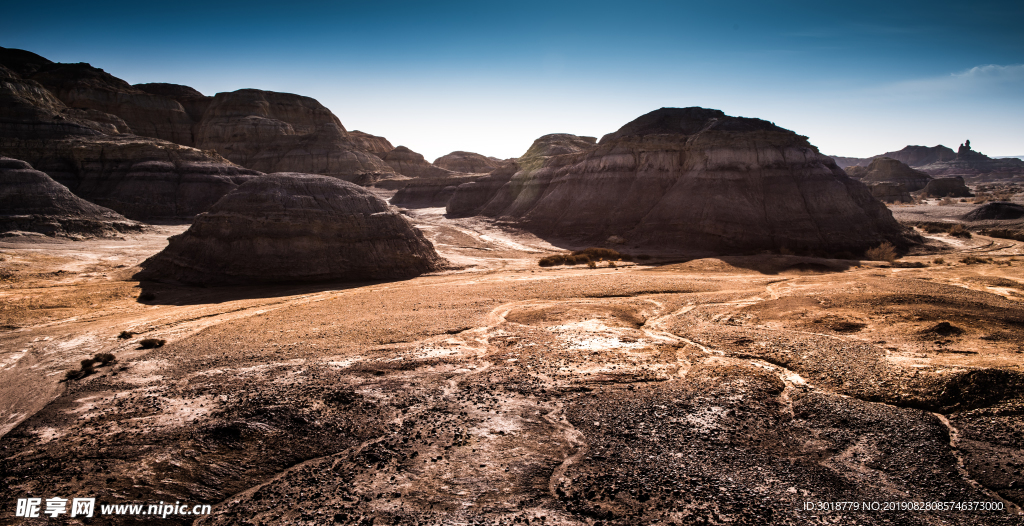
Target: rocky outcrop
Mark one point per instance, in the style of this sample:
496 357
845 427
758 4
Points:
30 201
412 164
81 86
696 180
374 144
513 180
139 177
282 132
467 162
191 100
998 211
846 162
890 192
913 156
888 170
976 165
430 192
29 111
947 187
294 227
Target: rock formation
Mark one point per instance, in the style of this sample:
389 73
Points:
998 211
976 165
294 227
430 192
374 144
282 132
947 187
191 100
889 170
412 164
699 181
29 111
139 177
890 192
491 195
467 162
31 201
909 155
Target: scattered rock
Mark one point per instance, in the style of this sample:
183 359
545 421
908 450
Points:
294 227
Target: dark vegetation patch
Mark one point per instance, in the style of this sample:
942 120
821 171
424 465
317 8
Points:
151 343
89 365
587 256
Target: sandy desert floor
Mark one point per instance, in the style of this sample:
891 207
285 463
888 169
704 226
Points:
713 391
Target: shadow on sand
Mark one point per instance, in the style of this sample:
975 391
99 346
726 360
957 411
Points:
161 293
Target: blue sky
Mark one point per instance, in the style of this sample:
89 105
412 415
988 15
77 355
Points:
858 78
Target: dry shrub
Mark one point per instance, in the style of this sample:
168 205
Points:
592 264
103 358
939 261
125 335
959 230
587 256
946 201
611 264
151 343
884 252
975 260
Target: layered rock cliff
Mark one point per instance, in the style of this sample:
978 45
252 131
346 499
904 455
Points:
411 164
467 162
31 201
282 132
513 180
30 111
294 227
889 170
696 180
374 144
431 191
975 165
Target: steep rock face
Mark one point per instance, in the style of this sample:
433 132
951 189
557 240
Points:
430 192
294 227
467 162
999 211
889 170
139 177
697 180
513 181
411 164
374 144
81 86
890 192
947 187
29 111
31 201
920 155
282 132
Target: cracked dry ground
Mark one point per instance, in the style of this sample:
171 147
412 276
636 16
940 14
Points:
697 393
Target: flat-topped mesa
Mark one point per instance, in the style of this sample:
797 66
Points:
282 132
467 162
411 164
291 228
513 183
696 180
31 201
889 170
947 187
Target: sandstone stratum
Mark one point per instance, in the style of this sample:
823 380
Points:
30 201
411 164
289 227
697 180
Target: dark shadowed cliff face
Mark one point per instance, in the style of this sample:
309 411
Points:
295 227
30 111
281 132
31 201
696 180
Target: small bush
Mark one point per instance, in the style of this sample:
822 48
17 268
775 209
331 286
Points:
580 257
959 230
939 261
87 363
72 374
151 343
125 335
946 201
884 252
611 264
103 358
592 264
909 264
